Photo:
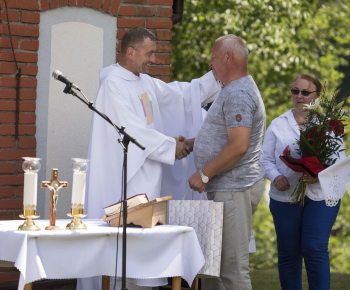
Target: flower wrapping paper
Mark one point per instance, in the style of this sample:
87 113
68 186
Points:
335 180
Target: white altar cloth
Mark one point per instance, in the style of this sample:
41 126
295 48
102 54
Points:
159 252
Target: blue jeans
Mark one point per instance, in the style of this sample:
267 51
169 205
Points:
303 232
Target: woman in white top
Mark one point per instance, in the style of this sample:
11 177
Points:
302 231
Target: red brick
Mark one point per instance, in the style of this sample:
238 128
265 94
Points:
28 130
159 23
130 22
20 170
31 70
21 30
23 4
80 2
161 2
27 106
16 155
106 5
7 142
164 35
135 1
27 143
88 3
7 215
63 2
53 4
27 118
72 2
7 68
29 44
28 82
165 12
7 93
6 42
114 7
19 191
20 56
10 180
160 70
7 81
7 118
11 203
97 4
164 47
164 79
146 11
30 17
25 82
28 94
163 58
7 130
8 105
7 168
44 5
120 33
13 16
127 11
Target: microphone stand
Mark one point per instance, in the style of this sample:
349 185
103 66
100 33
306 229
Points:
124 143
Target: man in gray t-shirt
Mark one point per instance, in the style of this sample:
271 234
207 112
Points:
226 153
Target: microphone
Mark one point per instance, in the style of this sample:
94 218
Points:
57 75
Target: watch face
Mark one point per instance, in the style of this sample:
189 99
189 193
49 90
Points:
204 178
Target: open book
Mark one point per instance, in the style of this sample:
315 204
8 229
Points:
131 202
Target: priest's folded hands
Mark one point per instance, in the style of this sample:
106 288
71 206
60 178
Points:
183 147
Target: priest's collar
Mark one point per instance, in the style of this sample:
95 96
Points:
124 73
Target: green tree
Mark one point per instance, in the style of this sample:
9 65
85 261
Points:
284 38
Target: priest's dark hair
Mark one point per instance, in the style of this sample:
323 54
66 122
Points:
135 36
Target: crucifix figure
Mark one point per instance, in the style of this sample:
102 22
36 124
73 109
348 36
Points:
54 185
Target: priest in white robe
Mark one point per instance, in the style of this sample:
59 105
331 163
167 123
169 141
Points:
153 112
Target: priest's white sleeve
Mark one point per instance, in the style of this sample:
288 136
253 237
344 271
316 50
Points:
165 153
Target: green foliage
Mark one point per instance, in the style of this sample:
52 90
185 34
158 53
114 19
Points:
284 38
339 243
265 238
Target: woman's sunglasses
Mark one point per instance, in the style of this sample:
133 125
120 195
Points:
304 93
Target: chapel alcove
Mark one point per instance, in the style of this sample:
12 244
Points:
78 41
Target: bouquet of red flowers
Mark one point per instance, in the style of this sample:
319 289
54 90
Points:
320 139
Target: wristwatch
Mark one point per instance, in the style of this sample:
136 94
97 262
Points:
205 178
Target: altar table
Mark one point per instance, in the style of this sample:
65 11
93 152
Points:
159 252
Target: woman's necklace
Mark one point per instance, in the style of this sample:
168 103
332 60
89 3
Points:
300 119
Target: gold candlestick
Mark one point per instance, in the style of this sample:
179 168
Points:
77 212
29 224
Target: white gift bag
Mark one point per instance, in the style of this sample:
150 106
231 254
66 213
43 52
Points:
206 217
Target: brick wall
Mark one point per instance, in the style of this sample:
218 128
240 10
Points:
24 18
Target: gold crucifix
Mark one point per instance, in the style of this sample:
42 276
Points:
54 185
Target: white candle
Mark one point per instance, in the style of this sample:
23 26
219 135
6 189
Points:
30 188
78 189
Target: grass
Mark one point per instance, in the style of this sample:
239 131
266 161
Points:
268 280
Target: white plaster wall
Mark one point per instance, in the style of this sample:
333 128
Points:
78 41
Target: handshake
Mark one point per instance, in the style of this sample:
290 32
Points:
183 147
